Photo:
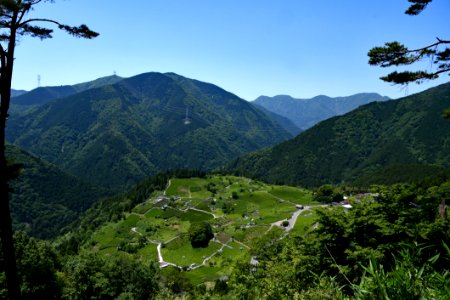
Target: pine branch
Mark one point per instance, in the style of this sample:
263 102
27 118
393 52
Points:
81 31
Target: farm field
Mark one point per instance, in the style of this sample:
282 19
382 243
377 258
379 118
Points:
239 210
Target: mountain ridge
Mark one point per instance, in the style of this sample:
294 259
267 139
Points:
305 113
373 136
42 95
141 125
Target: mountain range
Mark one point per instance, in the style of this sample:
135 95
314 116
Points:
42 95
374 138
305 113
117 134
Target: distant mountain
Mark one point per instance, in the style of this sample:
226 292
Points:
46 199
305 113
377 139
284 122
15 93
119 134
42 95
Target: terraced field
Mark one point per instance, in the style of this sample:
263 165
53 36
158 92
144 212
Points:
239 210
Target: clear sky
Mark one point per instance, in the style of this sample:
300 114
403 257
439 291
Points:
248 47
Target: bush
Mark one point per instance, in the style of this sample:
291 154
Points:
200 234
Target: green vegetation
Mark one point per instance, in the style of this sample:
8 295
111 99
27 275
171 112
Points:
44 199
200 234
115 135
390 244
190 224
384 248
374 139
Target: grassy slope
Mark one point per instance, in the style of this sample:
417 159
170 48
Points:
167 221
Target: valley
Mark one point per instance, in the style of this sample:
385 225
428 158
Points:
239 210
143 196
151 185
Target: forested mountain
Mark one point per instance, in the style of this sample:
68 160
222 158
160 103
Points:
116 135
46 199
42 95
305 113
398 133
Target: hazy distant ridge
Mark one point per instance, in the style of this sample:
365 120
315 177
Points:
305 113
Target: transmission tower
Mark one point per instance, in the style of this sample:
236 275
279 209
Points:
187 121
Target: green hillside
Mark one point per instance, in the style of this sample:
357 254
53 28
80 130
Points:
118 134
44 198
42 95
267 236
240 211
405 132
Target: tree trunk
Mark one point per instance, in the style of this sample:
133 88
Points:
6 232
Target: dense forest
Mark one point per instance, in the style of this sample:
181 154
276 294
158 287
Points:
115 135
363 146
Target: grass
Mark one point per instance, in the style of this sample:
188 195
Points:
143 207
256 207
196 216
149 252
108 237
204 274
295 195
304 222
184 254
131 221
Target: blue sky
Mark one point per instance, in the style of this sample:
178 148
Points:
248 47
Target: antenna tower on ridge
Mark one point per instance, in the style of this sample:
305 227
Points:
187 121
39 81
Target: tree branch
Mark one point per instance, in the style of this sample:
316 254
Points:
80 31
439 42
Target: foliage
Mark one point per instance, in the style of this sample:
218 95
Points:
365 146
397 54
379 249
90 276
45 199
117 134
37 263
113 209
200 234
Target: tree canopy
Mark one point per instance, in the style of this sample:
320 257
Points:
199 234
396 54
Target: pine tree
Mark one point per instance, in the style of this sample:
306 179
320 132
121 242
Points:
397 54
14 24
